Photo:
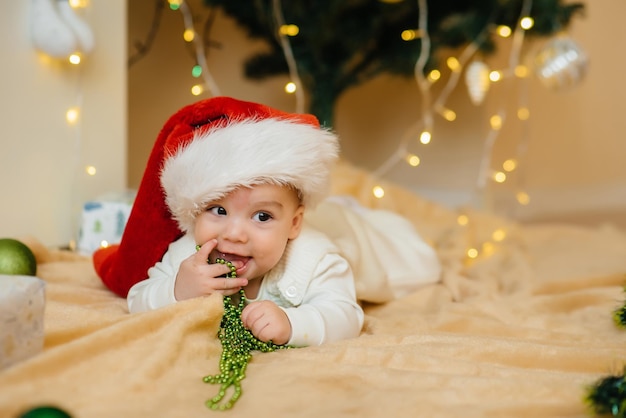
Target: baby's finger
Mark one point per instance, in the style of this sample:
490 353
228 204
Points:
230 286
205 249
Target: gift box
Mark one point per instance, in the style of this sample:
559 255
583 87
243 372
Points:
22 302
103 221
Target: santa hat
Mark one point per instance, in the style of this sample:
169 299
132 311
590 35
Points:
204 151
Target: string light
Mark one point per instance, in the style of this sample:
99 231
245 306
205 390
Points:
413 160
290 87
200 68
91 170
527 22
499 177
509 165
495 76
71 116
504 31
425 137
523 198
197 89
523 113
74 59
378 192
291 30
434 75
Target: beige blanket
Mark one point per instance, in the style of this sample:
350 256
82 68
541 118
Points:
521 331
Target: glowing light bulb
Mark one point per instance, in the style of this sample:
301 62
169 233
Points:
449 115
504 31
472 253
498 235
462 220
413 160
76 4
488 248
290 87
499 177
509 165
453 64
197 89
71 116
196 71
289 30
434 75
523 113
91 170
521 71
74 59
378 192
527 22
425 137
104 243
522 198
411 34
174 4
495 76
189 35
496 122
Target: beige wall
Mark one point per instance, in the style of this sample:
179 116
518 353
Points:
43 183
575 139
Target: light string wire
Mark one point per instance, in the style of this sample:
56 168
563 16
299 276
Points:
426 122
288 52
488 146
79 163
199 49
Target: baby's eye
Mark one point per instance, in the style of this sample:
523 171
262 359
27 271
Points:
217 210
262 216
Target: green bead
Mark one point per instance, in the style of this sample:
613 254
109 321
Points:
45 412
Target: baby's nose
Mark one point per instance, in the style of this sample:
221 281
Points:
234 231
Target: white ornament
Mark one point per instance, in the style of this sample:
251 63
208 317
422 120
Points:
477 80
561 63
56 29
82 31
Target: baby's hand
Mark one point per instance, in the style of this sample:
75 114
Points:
267 322
198 278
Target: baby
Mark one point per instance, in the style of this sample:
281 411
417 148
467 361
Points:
244 188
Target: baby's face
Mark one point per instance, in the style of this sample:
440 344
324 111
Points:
252 227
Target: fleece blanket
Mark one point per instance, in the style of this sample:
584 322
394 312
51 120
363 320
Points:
521 330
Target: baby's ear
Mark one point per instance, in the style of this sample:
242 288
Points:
296 222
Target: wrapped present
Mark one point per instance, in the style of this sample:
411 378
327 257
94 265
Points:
22 302
103 221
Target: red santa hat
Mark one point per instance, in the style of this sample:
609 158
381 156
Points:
204 151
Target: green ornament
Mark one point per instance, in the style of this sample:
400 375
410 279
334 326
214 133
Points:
237 346
16 258
607 397
45 412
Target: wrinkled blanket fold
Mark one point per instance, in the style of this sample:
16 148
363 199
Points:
521 331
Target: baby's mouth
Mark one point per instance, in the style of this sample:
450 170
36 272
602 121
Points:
237 261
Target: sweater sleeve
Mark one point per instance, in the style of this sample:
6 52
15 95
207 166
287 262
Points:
157 290
329 310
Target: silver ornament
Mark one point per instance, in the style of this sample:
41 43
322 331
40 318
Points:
561 63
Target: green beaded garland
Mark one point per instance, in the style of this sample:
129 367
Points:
237 346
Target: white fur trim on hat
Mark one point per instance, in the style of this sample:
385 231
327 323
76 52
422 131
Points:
244 153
